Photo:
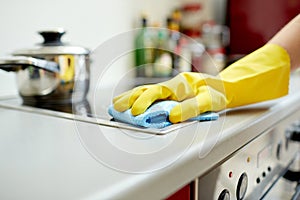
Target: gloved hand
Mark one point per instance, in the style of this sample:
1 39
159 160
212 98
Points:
262 75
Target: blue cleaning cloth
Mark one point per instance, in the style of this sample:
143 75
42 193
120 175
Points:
156 116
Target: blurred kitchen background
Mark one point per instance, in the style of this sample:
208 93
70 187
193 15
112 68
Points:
173 35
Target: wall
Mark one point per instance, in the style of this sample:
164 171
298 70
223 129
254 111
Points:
88 23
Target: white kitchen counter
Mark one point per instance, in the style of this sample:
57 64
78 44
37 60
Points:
44 157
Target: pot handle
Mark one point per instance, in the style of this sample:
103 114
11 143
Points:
52 37
16 63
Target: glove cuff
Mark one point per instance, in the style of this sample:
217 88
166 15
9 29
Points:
262 75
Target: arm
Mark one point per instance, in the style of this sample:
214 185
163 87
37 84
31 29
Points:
289 38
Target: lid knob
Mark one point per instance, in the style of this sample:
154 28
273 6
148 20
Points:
52 37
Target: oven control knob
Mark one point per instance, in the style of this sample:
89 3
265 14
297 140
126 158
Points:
295 134
224 195
242 186
292 133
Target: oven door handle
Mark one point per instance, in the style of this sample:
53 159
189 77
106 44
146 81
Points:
292 176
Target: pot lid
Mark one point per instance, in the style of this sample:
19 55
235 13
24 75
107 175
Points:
52 45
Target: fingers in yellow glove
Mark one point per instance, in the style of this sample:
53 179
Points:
148 97
208 99
177 88
140 98
125 100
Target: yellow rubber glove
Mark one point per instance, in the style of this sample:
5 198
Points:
261 75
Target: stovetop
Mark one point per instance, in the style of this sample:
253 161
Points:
89 111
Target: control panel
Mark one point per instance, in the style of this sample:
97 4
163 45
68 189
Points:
251 172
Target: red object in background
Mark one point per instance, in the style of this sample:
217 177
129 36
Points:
253 22
182 194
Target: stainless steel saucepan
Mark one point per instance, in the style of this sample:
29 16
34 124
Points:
52 72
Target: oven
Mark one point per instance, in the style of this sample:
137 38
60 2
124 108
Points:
265 168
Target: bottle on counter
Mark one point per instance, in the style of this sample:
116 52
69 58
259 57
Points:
144 51
184 50
182 59
163 59
198 56
174 37
215 38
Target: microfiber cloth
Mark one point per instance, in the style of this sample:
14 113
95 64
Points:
156 116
